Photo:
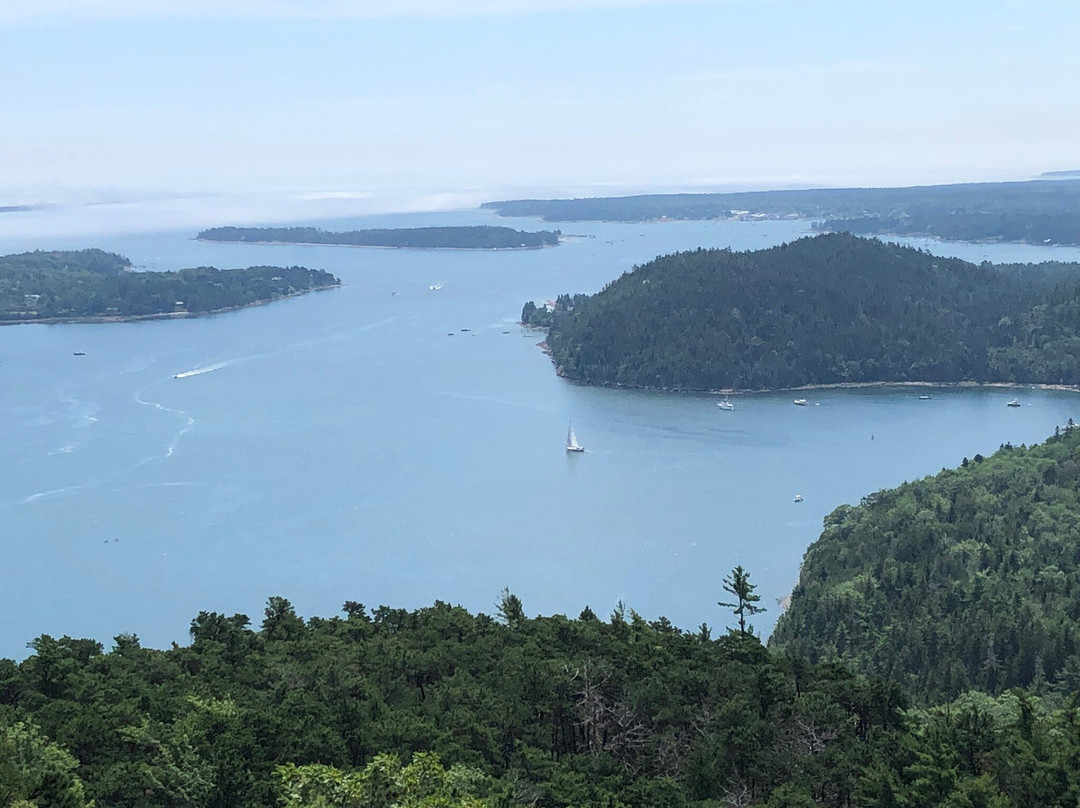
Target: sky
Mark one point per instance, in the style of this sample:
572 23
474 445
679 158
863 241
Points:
480 99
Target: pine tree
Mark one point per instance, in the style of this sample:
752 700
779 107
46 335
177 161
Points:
738 584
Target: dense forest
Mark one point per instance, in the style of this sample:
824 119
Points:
969 579
439 707
99 285
480 237
822 310
1035 212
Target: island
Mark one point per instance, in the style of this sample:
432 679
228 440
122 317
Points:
1043 211
825 310
96 286
477 237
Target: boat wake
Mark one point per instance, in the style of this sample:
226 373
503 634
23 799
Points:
189 422
56 492
207 369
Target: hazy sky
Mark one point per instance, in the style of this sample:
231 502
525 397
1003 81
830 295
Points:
550 96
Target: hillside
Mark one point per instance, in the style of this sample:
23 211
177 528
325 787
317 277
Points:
478 237
968 579
823 310
95 285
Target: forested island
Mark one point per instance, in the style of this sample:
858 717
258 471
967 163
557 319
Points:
831 309
96 285
1035 212
478 237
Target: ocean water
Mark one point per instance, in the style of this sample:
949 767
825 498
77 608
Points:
393 444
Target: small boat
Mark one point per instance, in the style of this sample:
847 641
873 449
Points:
800 402
1014 403
798 497
725 405
572 444
80 353
924 397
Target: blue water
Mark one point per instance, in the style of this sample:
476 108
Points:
344 446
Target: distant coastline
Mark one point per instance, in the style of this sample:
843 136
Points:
377 246
471 237
1042 211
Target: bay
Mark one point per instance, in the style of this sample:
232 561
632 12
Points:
389 443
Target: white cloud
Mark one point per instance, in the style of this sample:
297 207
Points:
67 11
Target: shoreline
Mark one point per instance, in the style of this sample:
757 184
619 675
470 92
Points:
377 246
165 315
744 391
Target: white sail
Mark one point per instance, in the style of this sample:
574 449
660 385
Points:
572 444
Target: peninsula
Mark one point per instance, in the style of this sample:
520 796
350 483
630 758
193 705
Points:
831 309
910 584
480 237
93 285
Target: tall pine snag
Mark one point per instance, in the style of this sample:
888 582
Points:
738 584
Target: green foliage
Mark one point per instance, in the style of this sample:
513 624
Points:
479 237
543 711
546 710
544 317
383 783
969 579
97 285
823 310
36 773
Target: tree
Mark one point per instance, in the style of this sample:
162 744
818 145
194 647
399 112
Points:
282 622
511 612
738 584
34 771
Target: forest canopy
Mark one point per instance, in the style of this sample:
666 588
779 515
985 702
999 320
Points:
824 310
441 708
92 284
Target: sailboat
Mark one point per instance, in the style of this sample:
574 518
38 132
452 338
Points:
571 441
